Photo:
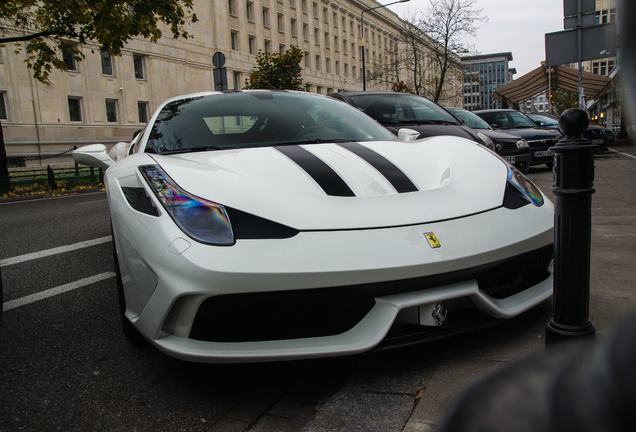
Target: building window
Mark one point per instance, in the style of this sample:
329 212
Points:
317 62
303 5
231 5
234 40
307 61
294 29
266 17
138 61
75 109
306 32
336 43
111 110
281 48
317 36
3 107
325 15
268 46
142 110
328 65
107 63
314 9
292 4
280 21
69 59
237 80
249 7
251 44
326 39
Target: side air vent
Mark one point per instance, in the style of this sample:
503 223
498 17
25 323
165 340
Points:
139 200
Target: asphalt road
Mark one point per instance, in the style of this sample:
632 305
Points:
65 365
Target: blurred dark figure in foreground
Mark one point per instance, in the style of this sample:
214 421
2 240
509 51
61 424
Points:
580 386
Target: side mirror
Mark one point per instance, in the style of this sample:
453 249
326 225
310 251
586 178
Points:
94 155
408 135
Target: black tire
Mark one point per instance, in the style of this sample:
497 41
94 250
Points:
130 332
1 295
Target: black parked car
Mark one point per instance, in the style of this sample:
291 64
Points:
396 111
511 147
599 135
539 139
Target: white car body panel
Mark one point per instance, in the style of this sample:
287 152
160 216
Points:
376 236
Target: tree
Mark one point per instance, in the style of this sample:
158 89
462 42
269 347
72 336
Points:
405 67
48 30
277 71
447 22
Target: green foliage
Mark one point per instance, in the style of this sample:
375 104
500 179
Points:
564 100
49 26
277 71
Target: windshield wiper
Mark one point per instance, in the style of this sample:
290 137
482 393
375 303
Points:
316 141
191 150
420 122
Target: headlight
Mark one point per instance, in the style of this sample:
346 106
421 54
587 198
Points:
521 188
202 220
522 143
487 141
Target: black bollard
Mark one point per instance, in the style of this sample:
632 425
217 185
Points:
573 181
51 177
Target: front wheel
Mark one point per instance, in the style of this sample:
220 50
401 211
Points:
130 332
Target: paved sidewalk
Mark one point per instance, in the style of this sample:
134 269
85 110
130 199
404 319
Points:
411 395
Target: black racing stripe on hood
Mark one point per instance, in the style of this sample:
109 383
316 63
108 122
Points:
393 174
322 173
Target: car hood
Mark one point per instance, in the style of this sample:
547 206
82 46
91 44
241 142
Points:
450 178
430 130
535 134
499 135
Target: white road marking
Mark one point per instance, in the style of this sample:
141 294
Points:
624 154
48 252
50 198
22 301
90 202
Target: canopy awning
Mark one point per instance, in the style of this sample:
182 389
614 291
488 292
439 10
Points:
537 82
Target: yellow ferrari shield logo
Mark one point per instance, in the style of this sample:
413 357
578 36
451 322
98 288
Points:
432 240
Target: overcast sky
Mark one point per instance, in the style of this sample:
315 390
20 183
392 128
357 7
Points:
517 26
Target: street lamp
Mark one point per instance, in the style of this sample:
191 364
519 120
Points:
364 70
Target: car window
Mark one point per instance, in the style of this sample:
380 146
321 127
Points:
396 108
544 120
471 120
508 120
252 119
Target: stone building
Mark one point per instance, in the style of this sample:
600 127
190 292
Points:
105 99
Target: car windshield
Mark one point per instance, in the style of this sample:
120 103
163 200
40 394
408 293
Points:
471 120
257 119
401 108
507 120
544 120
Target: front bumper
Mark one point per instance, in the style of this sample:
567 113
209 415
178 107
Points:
168 281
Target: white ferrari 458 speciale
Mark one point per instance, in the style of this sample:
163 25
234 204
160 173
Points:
274 225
